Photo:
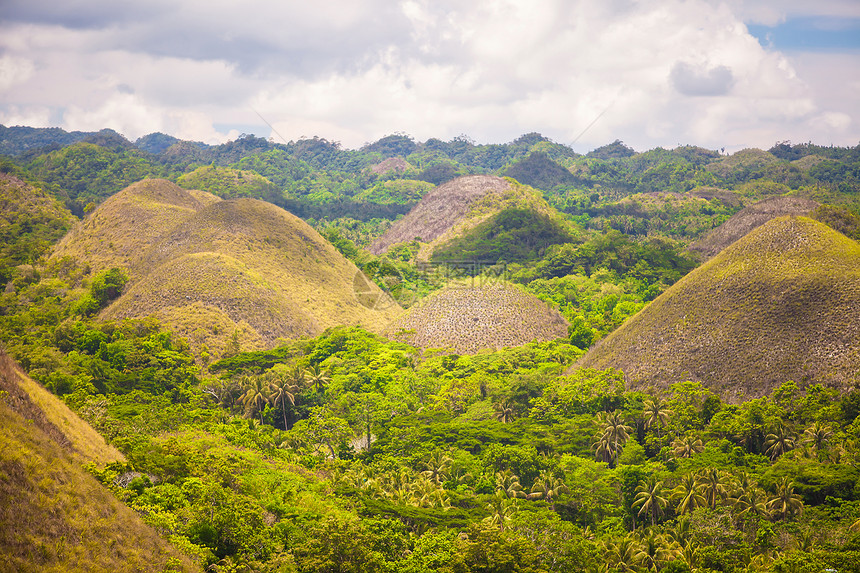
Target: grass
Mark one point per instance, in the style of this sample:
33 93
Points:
207 267
54 516
468 318
780 304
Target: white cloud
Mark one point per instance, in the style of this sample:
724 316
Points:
656 73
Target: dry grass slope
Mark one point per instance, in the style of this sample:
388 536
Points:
207 267
469 318
747 219
440 210
780 304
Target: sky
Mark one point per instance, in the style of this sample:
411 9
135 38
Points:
725 74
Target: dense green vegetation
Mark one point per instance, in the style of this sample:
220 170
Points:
350 452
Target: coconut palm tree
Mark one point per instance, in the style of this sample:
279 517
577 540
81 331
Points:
622 553
256 395
655 551
687 446
779 442
282 391
713 483
614 431
504 412
508 483
747 498
688 493
436 465
785 503
501 509
649 499
548 487
818 436
655 413
317 378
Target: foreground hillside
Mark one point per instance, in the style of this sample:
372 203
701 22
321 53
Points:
54 516
209 268
781 304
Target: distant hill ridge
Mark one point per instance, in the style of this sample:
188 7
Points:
780 304
208 267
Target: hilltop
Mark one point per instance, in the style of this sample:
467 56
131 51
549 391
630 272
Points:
207 268
749 218
477 217
472 317
778 305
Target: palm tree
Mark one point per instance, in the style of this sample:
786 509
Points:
747 497
436 465
615 432
501 509
779 442
622 553
603 449
649 499
688 494
283 391
548 487
656 413
687 446
256 395
785 502
317 377
508 483
817 435
504 412
713 483
654 551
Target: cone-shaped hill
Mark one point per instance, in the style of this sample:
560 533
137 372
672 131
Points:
748 219
207 267
54 515
468 318
478 217
780 304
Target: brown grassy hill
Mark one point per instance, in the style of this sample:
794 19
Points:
747 219
208 268
441 209
54 516
470 318
780 304
113 235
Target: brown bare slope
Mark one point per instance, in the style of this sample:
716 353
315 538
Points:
747 219
469 318
780 304
207 268
440 210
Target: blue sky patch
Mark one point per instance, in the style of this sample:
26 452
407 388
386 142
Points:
810 35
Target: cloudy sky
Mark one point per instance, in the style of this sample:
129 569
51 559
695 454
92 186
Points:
720 74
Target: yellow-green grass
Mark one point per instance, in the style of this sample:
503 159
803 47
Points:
118 232
208 268
470 317
744 159
226 182
747 219
55 517
18 197
50 413
780 304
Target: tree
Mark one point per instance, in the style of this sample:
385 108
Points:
256 395
654 551
687 446
615 434
785 503
502 508
688 493
649 499
818 436
436 465
548 487
282 391
317 377
713 483
779 442
508 483
504 412
655 413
